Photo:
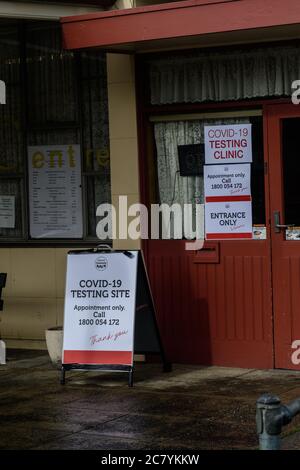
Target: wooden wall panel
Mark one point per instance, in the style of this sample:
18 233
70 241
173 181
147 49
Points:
216 313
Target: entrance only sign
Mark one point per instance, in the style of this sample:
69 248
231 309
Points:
228 144
228 220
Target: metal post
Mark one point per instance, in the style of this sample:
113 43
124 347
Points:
271 416
267 409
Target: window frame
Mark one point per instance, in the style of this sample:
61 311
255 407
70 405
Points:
28 127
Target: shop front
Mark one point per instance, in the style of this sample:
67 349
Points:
156 77
236 301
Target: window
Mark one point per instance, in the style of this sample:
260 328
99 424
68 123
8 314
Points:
291 170
54 97
172 188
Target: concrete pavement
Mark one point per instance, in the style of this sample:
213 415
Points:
192 407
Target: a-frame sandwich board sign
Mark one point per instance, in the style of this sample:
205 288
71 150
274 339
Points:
109 312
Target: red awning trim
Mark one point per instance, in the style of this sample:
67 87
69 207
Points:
139 10
189 18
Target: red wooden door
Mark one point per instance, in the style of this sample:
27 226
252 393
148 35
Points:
215 305
284 176
217 312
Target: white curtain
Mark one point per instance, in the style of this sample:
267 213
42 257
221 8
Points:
11 149
173 188
221 76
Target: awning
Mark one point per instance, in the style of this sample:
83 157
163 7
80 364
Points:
184 24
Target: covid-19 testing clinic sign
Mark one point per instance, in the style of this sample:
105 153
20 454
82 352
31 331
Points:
228 144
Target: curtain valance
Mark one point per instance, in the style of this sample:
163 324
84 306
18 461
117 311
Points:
222 76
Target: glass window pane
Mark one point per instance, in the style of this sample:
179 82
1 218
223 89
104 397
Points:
291 170
54 137
98 192
64 102
257 172
51 76
176 189
95 111
9 53
10 114
96 158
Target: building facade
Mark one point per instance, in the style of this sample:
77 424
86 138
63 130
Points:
139 83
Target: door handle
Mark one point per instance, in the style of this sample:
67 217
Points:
277 225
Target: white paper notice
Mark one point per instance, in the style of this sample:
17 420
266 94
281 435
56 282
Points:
55 199
228 144
100 308
228 220
227 181
7 212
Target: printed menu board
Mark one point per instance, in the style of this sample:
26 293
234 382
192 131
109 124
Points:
55 198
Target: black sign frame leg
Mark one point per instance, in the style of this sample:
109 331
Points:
130 378
96 367
63 375
146 298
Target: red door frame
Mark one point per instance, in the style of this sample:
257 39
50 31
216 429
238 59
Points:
285 254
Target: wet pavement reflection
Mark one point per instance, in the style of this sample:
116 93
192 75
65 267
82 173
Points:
192 407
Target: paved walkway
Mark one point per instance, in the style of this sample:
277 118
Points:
190 408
